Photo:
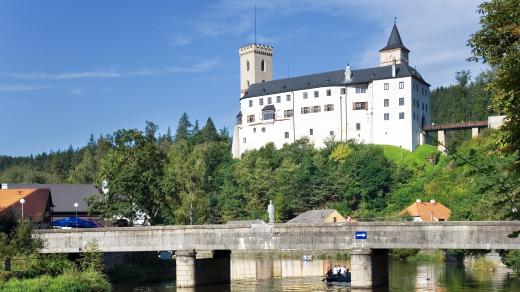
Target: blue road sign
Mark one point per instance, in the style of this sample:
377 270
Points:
361 235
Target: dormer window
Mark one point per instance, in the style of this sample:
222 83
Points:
268 113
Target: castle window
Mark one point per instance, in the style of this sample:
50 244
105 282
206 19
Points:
288 113
305 95
401 116
263 129
311 132
328 108
250 103
316 94
286 135
401 101
269 100
361 89
278 99
360 106
306 110
261 101
248 83
331 133
316 109
288 97
244 140
386 116
262 66
251 118
401 85
343 90
247 65
329 92
387 86
254 130
386 102
267 115
358 127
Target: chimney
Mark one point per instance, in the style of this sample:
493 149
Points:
348 73
432 201
393 69
5 186
418 200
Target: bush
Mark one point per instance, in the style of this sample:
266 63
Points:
71 281
483 264
403 253
49 264
511 259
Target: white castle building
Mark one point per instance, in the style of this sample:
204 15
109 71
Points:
388 104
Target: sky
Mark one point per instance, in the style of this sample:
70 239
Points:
72 68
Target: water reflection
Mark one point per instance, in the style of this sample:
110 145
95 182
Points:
265 273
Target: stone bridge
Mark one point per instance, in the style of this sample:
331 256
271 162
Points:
369 257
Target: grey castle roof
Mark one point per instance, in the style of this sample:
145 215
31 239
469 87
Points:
312 216
332 78
64 195
394 42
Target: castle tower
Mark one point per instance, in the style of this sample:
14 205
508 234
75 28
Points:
394 50
256 65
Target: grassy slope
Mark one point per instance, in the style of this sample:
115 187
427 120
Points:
412 159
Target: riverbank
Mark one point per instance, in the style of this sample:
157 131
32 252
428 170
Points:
87 281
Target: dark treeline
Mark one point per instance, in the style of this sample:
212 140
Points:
467 100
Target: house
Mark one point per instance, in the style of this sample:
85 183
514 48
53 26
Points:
385 104
318 217
36 207
427 211
64 197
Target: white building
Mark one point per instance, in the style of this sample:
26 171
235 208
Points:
381 105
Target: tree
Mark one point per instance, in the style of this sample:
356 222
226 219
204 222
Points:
132 171
184 128
20 241
209 132
498 44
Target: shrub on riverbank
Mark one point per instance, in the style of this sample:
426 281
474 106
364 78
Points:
482 264
427 256
403 253
69 281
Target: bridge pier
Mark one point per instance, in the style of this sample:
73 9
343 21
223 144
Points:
193 272
369 268
474 132
185 268
441 137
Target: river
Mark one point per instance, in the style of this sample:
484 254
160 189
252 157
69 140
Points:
266 274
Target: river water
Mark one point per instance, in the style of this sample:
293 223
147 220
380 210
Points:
267 274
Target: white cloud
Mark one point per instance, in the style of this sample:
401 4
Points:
114 73
22 87
177 39
435 31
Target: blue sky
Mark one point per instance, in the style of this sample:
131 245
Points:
69 69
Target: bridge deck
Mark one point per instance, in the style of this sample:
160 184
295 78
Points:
265 237
455 126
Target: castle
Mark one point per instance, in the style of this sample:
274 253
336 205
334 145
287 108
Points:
388 104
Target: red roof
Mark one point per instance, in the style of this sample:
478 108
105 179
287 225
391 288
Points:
36 207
